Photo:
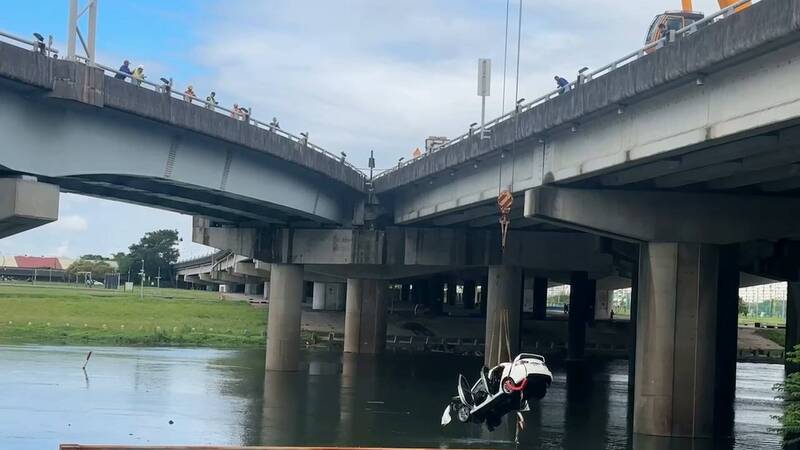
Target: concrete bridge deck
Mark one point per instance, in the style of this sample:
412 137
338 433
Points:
73 126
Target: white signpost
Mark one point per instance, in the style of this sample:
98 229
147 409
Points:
484 88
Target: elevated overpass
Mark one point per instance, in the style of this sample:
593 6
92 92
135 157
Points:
672 169
77 127
711 112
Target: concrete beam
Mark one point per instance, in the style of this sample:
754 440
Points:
251 242
26 204
249 269
666 216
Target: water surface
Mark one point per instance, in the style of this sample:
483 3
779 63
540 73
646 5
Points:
224 397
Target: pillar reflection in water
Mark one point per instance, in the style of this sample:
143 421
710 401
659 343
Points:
283 412
347 399
646 442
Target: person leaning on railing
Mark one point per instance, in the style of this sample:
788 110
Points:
138 75
211 100
125 69
189 94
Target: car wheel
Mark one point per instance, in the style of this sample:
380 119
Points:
507 385
463 413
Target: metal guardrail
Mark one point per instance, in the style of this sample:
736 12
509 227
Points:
36 46
167 89
582 79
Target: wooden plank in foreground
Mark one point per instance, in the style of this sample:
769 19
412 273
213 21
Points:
216 447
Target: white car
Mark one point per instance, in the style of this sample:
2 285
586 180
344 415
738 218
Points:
505 388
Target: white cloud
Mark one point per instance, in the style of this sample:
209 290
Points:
361 75
62 250
71 223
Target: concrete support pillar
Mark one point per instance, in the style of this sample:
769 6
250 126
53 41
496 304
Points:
468 294
582 294
266 290
421 292
365 316
374 301
602 304
450 297
632 327
676 334
792 321
252 288
318 298
504 302
405 293
540 298
482 297
352 316
283 320
727 338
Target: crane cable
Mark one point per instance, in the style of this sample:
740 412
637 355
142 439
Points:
505 59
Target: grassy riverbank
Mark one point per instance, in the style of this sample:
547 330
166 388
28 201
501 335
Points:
58 314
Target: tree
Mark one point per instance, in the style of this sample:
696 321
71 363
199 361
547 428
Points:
124 263
742 307
93 257
159 250
98 269
789 390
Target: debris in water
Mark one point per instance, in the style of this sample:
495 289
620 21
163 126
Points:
87 360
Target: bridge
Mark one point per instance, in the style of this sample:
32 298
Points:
673 171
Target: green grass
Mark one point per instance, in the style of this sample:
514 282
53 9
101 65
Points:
777 336
58 314
765 320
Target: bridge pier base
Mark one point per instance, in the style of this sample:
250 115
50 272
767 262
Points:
283 321
581 295
677 372
365 316
503 309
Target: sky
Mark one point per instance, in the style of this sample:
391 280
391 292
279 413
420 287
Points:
357 75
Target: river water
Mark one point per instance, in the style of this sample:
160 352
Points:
223 397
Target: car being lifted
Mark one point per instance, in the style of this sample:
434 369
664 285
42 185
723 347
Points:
505 388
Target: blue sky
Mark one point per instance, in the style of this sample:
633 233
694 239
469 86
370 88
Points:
358 75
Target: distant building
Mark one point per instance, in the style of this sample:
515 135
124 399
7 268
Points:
42 267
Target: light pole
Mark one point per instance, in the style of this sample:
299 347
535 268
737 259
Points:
484 87
141 273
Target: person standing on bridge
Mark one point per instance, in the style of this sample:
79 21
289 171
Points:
563 84
188 94
125 70
211 100
138 75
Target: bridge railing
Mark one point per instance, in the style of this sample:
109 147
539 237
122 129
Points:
582 78
36 46
167 89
